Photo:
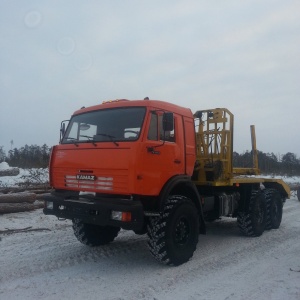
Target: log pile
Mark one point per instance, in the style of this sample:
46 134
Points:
19 202
37 189
10 172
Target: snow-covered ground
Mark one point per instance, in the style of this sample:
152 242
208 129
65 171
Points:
50 263
24 174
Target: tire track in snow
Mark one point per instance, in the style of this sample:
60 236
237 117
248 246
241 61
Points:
60 249
224 248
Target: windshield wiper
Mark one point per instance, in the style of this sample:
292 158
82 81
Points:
72 139
90 139
109 136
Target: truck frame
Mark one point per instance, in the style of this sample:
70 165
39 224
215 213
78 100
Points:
155 167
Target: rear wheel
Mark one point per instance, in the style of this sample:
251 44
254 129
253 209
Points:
252 222
274 208
94 235
173 236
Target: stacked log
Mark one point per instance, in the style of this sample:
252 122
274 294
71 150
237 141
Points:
37 189
10 172
18 202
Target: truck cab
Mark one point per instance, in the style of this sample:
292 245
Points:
121 155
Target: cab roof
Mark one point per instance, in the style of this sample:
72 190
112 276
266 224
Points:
156 104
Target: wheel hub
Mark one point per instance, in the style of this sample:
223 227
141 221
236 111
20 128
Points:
182 231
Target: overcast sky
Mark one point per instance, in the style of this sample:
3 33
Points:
57 56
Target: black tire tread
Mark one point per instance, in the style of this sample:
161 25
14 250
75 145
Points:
270 195
157 231
94 235
245 219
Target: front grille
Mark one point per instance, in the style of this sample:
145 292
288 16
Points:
101 183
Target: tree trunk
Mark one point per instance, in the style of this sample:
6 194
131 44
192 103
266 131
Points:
6 208
39 204
10 172
40 188
17 198
40 197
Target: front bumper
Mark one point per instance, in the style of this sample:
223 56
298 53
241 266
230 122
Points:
96 211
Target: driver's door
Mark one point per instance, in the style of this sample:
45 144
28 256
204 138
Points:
163 154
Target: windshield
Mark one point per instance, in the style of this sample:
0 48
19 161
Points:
115 125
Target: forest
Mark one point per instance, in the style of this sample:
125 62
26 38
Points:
285 165
27 157
34 156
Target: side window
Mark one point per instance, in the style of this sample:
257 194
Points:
156 127
73 134
153 129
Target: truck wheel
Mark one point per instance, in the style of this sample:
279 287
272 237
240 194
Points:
173 236
253 221
274 208
94 235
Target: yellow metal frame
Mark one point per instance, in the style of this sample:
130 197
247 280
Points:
214 138
250 171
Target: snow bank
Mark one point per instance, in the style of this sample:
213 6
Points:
25 174
4 166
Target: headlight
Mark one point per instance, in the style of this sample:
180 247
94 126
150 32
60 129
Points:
121 216
49 204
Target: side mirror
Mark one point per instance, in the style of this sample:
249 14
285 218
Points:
168 121
63 129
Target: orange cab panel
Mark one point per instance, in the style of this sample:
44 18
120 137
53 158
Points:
93 169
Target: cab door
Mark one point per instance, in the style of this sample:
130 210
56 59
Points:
162 154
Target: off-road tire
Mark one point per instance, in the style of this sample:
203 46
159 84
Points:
252 222
173 236
94 235
274 208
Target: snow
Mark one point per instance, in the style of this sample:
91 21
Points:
12 181
226 265
4 166
51 264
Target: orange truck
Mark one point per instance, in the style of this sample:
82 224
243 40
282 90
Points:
154 167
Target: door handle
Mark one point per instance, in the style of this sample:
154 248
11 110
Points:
177 161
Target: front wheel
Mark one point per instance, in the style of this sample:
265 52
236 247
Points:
173 236
94 235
